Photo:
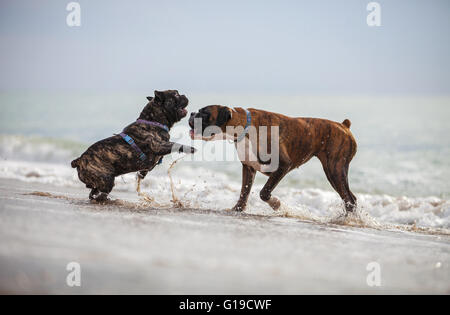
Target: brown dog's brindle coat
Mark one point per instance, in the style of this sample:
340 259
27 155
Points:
299 140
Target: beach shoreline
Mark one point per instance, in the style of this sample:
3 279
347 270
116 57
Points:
123 247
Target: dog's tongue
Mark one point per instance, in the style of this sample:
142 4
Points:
191 133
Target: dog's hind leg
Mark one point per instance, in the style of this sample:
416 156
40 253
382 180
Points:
340 179
337 175
93 193
104 186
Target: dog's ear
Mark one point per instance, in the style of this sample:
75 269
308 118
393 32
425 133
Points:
159 96
223 116
150 98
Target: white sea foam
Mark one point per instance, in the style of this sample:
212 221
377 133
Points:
203 188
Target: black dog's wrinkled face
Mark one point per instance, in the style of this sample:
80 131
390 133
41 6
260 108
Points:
173 103
210 116
168 103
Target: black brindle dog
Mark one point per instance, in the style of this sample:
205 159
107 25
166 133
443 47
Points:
139 148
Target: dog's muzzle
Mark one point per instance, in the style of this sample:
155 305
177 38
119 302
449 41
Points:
182 111
194 133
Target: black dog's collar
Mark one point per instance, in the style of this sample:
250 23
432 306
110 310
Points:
153 123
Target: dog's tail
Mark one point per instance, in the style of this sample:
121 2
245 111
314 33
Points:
75 162
347 123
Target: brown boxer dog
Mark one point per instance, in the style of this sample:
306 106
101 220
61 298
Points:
299 140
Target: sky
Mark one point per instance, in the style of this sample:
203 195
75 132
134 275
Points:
277 47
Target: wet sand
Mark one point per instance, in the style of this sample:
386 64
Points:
126 247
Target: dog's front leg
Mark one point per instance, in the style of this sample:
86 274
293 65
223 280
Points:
274 180
142 174
160 147
248 176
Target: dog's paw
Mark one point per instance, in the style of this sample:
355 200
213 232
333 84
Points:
275 203
101 198
238 208
187 149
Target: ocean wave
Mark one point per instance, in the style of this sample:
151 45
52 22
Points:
202 188
38 149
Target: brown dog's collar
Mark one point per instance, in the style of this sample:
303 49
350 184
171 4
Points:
246 128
